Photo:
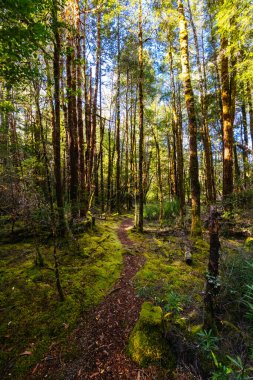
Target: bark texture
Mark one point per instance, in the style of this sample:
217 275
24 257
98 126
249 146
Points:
189 99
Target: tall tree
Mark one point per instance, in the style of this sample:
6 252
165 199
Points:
139 195
210 187
189 99
56 117
118 153
227 124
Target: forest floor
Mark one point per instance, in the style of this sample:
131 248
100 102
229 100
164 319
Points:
106 286
103 335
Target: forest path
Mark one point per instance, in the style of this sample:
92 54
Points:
102 336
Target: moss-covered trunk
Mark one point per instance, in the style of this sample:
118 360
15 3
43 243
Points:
189 99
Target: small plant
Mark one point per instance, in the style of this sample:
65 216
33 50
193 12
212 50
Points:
248 297
171 209
248 301
208 342
147 292
151 211
172 302
236 369
222 372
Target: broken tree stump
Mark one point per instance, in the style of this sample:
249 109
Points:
212 280
188 257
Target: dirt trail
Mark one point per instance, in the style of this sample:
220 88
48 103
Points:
102 337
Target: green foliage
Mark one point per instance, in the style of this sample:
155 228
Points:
24 30
151 210
233 369
234 20
236 280
222 372
172 302
208 342
248 298
249 242
171 209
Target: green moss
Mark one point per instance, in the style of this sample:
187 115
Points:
249 242
164 277
195 329
150 315
147 344
201 245
32 317
180 322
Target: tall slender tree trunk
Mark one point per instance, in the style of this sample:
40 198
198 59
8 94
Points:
93 154
250 113
109 170
72 126
87 112
80 121
179 144
127 181
101 158
139 197
118 155
189 99
245 142
159 178
212 286
227 127
210 184
56 119
237 167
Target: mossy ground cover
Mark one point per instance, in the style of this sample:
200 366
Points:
147 344
168 282
166 273
31 316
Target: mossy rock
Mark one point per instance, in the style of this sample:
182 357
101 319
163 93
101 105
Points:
147 344
150 315
249 242
195 329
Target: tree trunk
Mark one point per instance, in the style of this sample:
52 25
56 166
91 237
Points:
127 178
139 197
179 144
212 284
246 143
159 178
72 126
118 155
210 193
227 127
250 113
93 154
80 122
189 99
56 120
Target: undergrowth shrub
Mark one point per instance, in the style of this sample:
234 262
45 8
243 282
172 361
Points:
241 200
152 210
248 298
171 209
236 278
236 308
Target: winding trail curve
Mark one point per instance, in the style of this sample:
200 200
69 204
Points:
103 335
